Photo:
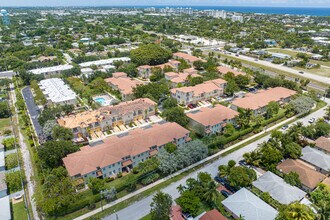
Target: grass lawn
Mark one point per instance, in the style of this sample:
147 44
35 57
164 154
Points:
279 50
147 217
19 211
322 71
4 124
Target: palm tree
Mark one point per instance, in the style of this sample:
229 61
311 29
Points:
180 188
211 193
297 211
327 112
223 170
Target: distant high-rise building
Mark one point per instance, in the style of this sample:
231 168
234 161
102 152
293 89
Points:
5 17
237 18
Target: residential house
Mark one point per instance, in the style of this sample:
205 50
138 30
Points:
251 207
5 213
212 120
105 118
124 84
144 71
278 189
123 152
188 58
323 143
212 215
317 158
201 92
176 213
51 71
257 102
308 176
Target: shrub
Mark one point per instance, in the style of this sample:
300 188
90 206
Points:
11 161
119 175
150 179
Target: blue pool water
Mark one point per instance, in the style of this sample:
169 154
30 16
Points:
100 100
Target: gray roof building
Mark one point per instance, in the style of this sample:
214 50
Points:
278 189
249 206
2 160
316 158
5 208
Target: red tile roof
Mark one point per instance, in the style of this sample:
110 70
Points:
213 116
323 143
115 148
188 57
176 213
224 70
213 215
307 174
263 97
124 84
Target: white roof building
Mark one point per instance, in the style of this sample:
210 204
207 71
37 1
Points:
51 70
105 62
57 92
278 189
316 157
5 213
249 206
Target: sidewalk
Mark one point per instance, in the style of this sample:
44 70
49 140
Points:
89 214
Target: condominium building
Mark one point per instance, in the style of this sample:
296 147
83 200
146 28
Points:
188 58
211 120
258 102
177 79
105 62
51 71
105 118
57 92
123 152
145 71
201 92
124 84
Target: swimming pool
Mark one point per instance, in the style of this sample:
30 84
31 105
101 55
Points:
100 100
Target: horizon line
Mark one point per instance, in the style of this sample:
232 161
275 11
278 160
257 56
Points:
132 6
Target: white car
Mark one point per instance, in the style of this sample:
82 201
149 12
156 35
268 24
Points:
312 120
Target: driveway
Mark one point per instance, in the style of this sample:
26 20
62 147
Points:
32 109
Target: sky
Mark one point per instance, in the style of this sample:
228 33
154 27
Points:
275 3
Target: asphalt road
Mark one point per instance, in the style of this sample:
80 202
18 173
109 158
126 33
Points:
32 109
142 207
311 76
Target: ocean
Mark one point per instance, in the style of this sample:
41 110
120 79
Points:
324 11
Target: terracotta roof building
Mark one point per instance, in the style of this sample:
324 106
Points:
308 176
201 92
211 120
146 71
224 70
323 143
258 101
213 215
176 213
123 152
123 84
105 118
188 58
177 79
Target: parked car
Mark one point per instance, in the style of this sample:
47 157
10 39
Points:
230 188
312 120
220 180
18 197
225 193
285 127
187 216
243 163
191 106
301 72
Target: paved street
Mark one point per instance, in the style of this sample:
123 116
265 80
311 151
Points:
311 76
26 160
32 109
142 207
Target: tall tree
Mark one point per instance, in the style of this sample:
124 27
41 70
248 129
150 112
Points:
161 206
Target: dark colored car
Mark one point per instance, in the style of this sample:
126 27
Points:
220 180
225 193
243 163
230 188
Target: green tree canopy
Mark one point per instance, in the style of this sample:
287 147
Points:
150 54
161 206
